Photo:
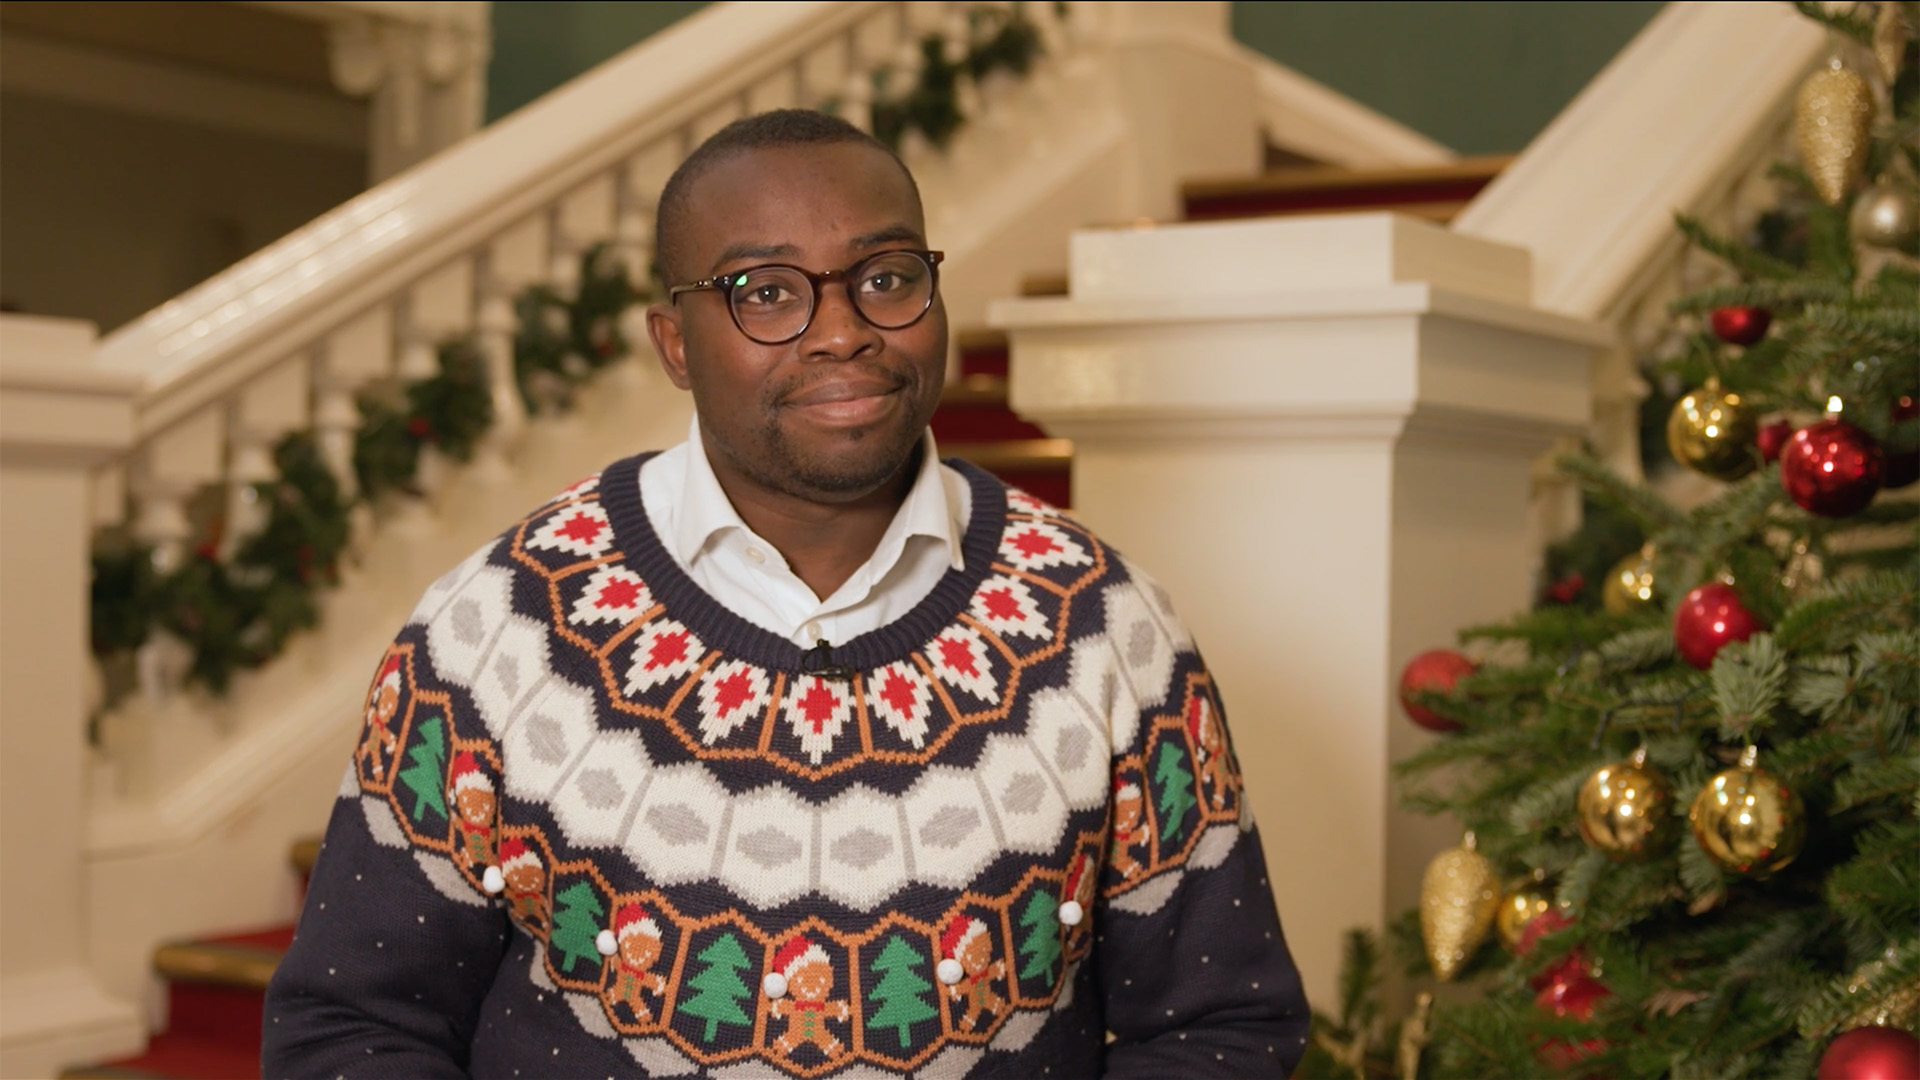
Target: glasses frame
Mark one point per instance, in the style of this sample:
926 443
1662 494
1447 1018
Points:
724 284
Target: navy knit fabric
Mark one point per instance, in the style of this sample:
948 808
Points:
597 825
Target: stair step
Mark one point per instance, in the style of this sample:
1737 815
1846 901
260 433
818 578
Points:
975 410
175 1057
982 352
1044 285
303 855
242 961
1018 455
1435 192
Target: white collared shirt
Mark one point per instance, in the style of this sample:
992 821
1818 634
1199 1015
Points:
705 536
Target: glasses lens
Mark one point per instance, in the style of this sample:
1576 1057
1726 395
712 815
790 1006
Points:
772 304
893 289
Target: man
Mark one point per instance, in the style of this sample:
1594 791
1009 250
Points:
795 681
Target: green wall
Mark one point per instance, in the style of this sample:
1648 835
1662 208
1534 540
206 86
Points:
1481 76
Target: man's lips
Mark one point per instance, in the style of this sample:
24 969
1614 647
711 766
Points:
839 390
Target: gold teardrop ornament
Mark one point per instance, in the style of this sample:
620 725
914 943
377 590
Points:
1459 897
1832 117
1712 431
1629 585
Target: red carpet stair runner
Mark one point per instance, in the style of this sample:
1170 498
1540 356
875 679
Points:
216 984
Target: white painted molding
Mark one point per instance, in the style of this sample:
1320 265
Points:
1316 121
471 14
43 67
54 408
1684 110
51 1019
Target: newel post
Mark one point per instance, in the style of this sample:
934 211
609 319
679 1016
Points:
59 419
1318 433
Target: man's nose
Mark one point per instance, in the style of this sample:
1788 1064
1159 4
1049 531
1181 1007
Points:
838 331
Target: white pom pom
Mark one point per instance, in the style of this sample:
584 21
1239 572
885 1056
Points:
606 944
775 984
949 971
1071 913
493 881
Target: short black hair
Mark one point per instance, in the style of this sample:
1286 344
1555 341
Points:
779 128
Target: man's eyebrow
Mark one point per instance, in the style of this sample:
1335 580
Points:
888 235
754 251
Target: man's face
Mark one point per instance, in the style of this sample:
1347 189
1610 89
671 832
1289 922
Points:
836 413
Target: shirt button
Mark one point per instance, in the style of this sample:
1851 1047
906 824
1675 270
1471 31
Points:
756 555
811 631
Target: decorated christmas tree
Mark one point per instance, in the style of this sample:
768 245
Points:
577 920
1175 780
426 771
1693 805
1040 943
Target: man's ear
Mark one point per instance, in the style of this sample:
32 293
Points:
663 326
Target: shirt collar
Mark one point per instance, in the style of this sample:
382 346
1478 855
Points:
705 511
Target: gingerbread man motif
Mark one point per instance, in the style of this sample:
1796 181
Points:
639 948
969 970
475 806
1129 827
1209 748
806 981
382 702
526 883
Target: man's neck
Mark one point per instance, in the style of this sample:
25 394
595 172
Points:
823 542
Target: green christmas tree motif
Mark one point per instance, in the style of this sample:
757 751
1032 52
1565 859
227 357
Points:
1041 946
426 771
720 986
576 924
899 989
1176 791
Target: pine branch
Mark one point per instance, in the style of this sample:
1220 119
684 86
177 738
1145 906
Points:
1782 298
1875 779
1743 258
1853 26
1862 991
1748 678
1634 650
1865 328
1841 609
1637 501
1877 892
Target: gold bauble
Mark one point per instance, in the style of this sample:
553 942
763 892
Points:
1518 908
1831 119
1886 215
1747 821
1621 808
1711 431
1458 899
1629 585
1890 36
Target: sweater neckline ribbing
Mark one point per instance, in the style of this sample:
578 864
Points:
720 628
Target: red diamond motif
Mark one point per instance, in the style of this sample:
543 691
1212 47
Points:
617 593
818 706
580 528
668 649
955 654
1034 544
731 691
898 692
1001 603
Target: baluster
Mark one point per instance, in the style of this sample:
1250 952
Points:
856 94
172 466
494 325
633 231
418 355
564 250
263 411
335 417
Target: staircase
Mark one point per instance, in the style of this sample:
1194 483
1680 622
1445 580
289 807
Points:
1128 105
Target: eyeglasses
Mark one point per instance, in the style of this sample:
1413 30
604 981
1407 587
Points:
775 304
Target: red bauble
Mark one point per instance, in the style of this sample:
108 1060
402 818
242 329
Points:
1710 617
1435 669
1741 325
1562 1054
1574 995
1772 439
1871 1053
1831 468
1567 589
1902 466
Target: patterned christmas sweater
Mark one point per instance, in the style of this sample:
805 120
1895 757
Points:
597 825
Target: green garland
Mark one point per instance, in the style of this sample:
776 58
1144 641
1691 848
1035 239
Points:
239 613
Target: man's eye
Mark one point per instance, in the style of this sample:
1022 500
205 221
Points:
767 293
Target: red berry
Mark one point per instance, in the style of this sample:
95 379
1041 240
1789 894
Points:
1772 439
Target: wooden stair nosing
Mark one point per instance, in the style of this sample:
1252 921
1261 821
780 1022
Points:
975 391
1440 212
303 855
1335 178
1016 454
239 966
